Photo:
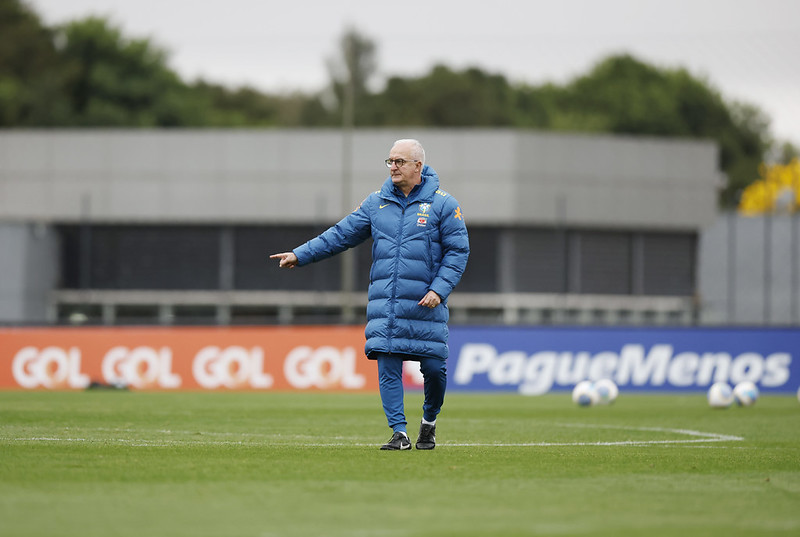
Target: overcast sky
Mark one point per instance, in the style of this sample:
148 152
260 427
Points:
749 50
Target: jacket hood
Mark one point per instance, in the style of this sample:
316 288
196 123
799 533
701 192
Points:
424 191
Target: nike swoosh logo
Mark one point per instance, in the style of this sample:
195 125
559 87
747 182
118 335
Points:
382 206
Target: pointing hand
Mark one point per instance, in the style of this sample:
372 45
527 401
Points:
288 259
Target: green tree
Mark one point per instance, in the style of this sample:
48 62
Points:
447 98
114 81
625 96
535 107
743 146
786 152
30 78
87 73
247 107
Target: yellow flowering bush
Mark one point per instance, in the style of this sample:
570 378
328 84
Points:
777 190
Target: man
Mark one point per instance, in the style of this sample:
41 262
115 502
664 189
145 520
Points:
419 252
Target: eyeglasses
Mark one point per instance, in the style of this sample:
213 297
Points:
399 161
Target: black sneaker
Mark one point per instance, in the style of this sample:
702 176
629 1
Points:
427 436
399 441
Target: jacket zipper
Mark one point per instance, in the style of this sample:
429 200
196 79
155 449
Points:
393 315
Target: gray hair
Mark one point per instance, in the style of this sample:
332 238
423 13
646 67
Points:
417 151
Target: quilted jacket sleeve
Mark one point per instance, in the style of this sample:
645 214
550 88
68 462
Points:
455 249
350 231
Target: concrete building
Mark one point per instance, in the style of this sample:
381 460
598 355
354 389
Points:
175 226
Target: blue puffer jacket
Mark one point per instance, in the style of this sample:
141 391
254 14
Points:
420 243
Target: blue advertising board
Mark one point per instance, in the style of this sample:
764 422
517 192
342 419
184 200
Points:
534 360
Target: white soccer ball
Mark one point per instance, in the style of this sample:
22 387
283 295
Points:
606 390
720 395
584 393
745 393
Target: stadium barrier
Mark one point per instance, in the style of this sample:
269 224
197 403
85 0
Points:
529 361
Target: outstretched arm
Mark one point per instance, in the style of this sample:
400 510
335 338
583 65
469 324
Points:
288 259
350 231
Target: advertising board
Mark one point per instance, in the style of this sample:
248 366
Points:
208 358
537 360
525 360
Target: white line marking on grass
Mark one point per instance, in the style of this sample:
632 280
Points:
696 437
700 438
128 441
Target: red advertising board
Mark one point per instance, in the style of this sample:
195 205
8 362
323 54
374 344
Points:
178 358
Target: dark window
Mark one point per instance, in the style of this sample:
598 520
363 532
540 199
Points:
532 260
481 275
140 257
603 263
255 270
668 261
539 260
70 253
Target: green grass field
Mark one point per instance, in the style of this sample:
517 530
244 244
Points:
289 464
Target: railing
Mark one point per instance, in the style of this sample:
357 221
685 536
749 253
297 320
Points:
297 307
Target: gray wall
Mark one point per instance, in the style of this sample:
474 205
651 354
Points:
748 270
28 271
498 176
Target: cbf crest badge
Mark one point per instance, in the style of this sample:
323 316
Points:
424 207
